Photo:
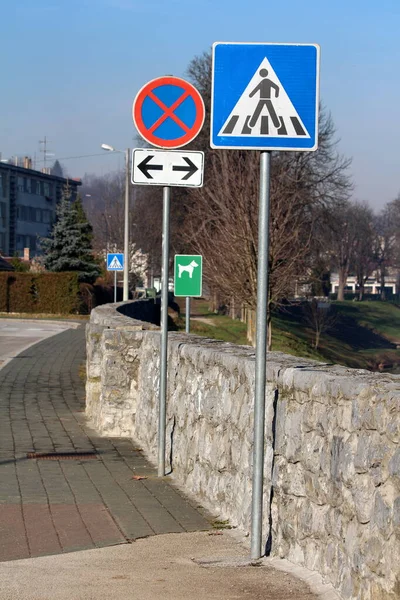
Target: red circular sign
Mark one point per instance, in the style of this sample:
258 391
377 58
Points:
155 112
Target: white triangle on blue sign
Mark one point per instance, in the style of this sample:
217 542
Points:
115 264
264 109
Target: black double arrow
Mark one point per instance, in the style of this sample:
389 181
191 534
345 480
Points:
145 167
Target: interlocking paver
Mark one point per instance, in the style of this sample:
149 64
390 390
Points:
13 535
57 506
40 529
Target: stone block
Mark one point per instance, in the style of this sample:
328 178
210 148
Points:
382 515
363 493
394 467
316 488
396 517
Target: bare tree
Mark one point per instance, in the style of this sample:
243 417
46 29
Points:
364 255
320 316
343 233
386 246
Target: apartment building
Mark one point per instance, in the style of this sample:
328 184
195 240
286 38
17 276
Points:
28 200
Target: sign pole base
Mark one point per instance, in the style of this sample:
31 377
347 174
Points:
115 286
257 549
164 334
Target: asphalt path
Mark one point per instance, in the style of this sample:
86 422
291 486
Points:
16 335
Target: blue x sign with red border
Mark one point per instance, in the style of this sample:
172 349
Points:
168 112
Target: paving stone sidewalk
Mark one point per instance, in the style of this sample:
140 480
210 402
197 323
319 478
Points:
54 506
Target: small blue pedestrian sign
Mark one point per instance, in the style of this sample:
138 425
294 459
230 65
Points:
115 262
265 96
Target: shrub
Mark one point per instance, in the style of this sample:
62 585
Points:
54 293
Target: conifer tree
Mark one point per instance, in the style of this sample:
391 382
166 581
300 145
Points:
69 246
57 169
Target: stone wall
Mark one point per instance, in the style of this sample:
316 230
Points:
332 452
336 477
113 355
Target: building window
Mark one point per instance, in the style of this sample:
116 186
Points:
20 184
46 214
22 213
3 207
30 242
38 215
20 242
3 185
46 188
3 242
28 185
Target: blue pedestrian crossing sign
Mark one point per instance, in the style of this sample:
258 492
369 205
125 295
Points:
115 262
265 96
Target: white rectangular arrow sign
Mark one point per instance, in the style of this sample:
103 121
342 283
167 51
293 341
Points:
167 167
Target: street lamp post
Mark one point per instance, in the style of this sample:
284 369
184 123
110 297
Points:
126 221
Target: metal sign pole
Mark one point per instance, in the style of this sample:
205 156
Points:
126 229
164 334
261 358
115 286
187 314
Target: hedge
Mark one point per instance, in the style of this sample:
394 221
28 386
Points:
53 293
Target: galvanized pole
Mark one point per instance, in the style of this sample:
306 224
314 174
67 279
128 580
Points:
164 334
187 314
126 229
115 286
261 358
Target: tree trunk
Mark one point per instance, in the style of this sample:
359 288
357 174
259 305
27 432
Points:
382 282
317 338
251 327
233 309
361 292
213 302
243 314
269 332
342 283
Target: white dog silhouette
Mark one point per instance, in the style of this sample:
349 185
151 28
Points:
189 268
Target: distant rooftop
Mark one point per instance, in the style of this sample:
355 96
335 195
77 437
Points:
24 166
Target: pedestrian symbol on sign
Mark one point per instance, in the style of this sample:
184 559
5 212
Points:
264 87
264 109
115 264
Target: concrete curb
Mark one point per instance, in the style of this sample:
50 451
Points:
324 591
313 579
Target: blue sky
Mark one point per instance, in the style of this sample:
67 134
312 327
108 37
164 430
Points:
70 70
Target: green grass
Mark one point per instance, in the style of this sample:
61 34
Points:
289 338
217 327
381 317
363 336
236 333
